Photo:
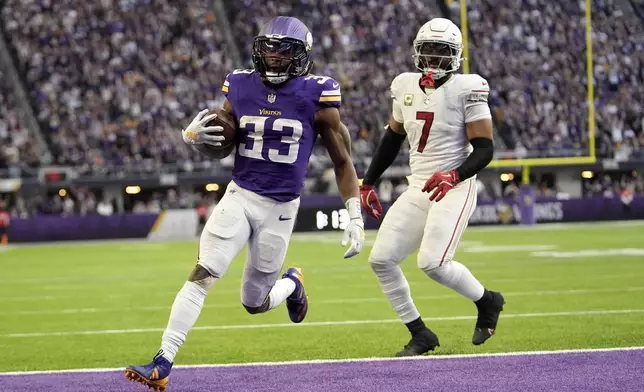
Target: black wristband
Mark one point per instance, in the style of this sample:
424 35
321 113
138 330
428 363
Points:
478 159
384 156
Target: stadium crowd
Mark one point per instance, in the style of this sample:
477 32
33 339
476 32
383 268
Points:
16 147
539 84
113 84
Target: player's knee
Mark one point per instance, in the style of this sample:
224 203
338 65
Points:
428 260
257 309
214 256
202 277
381 259
437 274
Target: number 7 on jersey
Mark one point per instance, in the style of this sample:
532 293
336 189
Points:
429 119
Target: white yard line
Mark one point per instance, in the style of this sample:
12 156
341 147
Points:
348 360
38 298
333 301
317 323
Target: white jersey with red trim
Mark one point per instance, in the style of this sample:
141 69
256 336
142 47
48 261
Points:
435 121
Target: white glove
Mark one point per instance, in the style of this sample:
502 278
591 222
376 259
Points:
198 133
355 228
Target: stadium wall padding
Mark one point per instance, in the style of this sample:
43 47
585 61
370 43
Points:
175 225
46 228
317 216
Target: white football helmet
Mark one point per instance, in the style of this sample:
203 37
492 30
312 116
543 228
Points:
438 48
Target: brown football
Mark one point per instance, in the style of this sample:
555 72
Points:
227 121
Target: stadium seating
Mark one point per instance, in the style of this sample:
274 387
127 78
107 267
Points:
534 54
17 151
361 43
113 85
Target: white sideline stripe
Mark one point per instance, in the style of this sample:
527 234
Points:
318 323
347 360
334 301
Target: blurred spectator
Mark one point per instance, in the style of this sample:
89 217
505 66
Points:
539 85
105 207
16 147
114 83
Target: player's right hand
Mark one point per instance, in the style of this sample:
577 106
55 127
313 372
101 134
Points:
198 133
369 201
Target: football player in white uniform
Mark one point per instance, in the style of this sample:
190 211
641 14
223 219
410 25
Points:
446 118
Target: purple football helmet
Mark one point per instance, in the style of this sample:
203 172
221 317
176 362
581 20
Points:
283 50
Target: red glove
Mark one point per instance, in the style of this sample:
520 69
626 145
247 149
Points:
369 201
442 182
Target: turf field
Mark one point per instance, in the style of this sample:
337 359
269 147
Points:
104 305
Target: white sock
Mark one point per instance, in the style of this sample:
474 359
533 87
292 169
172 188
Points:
185 311
395 286
278 294
457 277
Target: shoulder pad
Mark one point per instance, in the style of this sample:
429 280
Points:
243 71
235 75
405 79
327 90
467 83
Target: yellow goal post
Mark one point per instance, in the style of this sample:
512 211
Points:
526 163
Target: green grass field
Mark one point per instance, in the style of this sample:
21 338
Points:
105 304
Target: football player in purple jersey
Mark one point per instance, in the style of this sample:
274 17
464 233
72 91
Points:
281 110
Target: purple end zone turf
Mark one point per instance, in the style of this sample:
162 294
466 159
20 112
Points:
591 371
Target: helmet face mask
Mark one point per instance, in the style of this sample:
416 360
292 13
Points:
282 50
438 48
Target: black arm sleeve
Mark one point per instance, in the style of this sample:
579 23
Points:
478 159
384 156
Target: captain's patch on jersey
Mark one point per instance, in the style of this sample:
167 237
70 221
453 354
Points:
476 97
409 99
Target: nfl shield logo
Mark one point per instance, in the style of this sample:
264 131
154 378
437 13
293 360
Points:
271 98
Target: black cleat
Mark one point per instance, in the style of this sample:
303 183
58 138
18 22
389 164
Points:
490 307
420 343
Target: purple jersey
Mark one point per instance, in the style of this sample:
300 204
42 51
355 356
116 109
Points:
276 133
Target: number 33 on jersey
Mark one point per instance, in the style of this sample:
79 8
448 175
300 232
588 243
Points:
276 132
435 122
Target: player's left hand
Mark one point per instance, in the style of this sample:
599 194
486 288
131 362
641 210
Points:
354 232
442 182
